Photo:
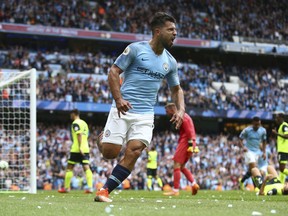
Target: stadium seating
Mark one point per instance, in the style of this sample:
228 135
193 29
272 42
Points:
217 21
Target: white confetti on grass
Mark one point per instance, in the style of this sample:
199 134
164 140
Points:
23 198
11 196
230 205
273 211
174 206
108 209
256 213
39 207
112 206
159 201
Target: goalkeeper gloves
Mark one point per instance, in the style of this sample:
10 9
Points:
192 148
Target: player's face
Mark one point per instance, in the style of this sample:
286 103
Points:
169 111
277 120
256 125
72 116
167 34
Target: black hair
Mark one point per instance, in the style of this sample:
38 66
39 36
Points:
281 115
285 192
256 119
75 111
159 20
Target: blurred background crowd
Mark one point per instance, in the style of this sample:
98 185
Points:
218 165
257 88
216 20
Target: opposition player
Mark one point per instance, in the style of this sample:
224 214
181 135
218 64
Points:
185 148
271 184
79 152
253 141
131 119
282 144
152 165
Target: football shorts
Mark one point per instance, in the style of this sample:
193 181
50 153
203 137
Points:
251 157
282 157
132 126
76 158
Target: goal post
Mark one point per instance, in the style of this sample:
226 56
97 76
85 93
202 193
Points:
18 130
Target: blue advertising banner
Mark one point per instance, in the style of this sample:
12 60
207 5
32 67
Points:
159 110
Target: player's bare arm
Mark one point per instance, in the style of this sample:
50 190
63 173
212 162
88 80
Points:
284 136
178 98
114 83
264 143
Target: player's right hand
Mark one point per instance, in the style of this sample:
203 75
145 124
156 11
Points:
122 106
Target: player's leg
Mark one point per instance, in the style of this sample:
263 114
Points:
67 180
272 172
88 173
283 159
189 176
149 179
159 181
122 170
176 180
257 177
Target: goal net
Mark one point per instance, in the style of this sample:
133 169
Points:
18 130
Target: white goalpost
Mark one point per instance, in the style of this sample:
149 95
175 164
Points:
18 131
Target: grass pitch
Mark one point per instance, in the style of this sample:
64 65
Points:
130 203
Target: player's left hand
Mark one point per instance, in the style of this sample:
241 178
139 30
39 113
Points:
177 119
274 132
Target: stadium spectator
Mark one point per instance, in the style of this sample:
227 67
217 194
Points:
197 19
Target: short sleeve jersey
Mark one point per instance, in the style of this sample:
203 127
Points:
152 157
282 143
79 127
253 139
143 75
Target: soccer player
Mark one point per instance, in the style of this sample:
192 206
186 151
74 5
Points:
152 169
79 152
282 144
253 141
131 119
271 184
185 148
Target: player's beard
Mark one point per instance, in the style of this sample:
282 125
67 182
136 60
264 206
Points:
167 42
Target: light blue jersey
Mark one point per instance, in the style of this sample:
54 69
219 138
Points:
143 75
253 139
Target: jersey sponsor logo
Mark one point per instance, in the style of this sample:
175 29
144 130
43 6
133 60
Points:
150 73
107 133
285 128
126 51
165 66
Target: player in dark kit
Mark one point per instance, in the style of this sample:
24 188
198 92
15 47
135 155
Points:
185 148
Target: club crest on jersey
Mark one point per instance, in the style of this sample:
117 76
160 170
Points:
165 66
126 51
107 133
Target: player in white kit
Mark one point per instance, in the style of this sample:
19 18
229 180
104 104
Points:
131 119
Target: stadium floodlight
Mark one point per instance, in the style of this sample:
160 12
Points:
18 130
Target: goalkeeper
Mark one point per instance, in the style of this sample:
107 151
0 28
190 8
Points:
185 148
79 152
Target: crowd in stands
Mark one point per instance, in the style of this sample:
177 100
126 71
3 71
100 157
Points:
219 163
260 88
217 20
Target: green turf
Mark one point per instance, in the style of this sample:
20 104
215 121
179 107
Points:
142 203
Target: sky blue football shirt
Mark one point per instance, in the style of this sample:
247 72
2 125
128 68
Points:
253 139
143 75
